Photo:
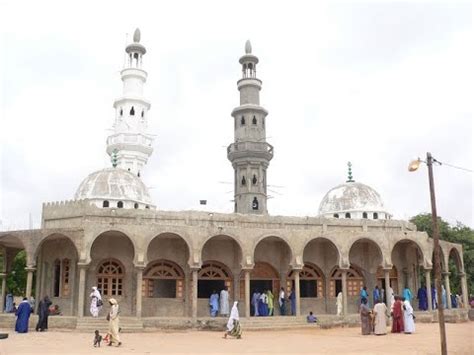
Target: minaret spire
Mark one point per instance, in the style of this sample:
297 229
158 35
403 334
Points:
349 172
250 154
130 145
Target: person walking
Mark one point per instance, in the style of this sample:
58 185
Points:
281 301
397 316
292 299
113 318
23 316
233 324
364 311
270 299
380 318
408 317
96 302
43 313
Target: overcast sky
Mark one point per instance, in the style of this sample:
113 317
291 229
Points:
375 83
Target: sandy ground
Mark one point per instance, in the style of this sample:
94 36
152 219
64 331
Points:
305 341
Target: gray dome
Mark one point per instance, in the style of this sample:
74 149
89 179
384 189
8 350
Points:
113 184
349 197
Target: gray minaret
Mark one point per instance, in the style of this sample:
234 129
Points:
250 154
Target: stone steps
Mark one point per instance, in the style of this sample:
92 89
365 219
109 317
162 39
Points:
90 324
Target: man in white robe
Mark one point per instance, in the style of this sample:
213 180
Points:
408 320
224 302
339 304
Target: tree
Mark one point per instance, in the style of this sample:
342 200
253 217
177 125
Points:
460 234
16 280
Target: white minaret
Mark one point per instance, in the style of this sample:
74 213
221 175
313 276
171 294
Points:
250 154
130 145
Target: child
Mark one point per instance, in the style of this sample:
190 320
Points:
311 318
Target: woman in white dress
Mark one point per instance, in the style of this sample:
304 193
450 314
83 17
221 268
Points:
96 302
408 318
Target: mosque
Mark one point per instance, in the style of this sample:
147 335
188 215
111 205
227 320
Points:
159 263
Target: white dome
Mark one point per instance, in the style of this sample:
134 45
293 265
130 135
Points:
352 197
114 184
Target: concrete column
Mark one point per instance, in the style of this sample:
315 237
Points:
465 296
344 291
29 281
139 291
4 291
447 286
247 293
194 293
81 289
388 294
39 271
296 272
428 289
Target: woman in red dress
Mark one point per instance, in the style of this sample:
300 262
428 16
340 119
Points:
397 316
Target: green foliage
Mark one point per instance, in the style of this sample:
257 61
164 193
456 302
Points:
460 234
16 280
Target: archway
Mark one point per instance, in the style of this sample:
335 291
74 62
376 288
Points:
323 253
263 277
56 267
407 257
165 289
14 259
368 257
112 270
454 269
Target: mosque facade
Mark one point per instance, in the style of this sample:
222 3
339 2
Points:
160 263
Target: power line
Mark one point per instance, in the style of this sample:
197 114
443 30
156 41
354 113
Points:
454 166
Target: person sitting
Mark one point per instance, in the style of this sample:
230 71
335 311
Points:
310 318
54 310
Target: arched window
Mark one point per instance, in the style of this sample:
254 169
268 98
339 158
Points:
163 279
120 204
263 122
255 204
56 277
311 281
213 276
147 207
242 121
376 215
336 215
364 215
354 282
121 112
348 215
110 275
132 111
243 181
254 120
143 113
135 205
105 204
254 179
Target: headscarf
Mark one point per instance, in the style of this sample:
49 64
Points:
96 293
113 301
234 314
